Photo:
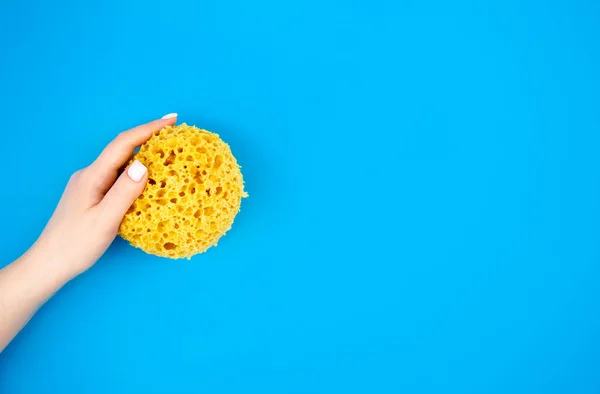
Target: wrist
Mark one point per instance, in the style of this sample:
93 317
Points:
45 268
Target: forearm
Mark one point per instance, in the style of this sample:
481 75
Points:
25 285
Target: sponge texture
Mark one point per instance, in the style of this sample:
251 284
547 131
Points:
194 192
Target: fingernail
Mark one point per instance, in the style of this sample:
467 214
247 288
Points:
170 116
136 171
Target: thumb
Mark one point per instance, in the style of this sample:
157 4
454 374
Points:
123 193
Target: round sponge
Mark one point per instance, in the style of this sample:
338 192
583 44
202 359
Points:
194 191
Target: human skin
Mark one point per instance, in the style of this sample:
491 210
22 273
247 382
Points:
82 227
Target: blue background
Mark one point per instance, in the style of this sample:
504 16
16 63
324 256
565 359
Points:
424 194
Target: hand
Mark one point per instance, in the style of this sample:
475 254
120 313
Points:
84 224
87 218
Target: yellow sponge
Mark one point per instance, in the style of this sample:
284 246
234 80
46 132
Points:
194 191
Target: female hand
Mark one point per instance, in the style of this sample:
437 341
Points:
83 226
87 218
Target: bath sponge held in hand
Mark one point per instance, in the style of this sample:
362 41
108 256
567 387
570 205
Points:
194 192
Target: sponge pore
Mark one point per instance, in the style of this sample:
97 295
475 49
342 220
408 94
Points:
193 194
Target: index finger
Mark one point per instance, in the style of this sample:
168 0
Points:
116 154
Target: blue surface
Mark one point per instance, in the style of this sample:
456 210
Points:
425 195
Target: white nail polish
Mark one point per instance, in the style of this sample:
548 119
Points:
170 116
136 171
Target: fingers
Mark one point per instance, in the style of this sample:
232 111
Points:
123 193
119 151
